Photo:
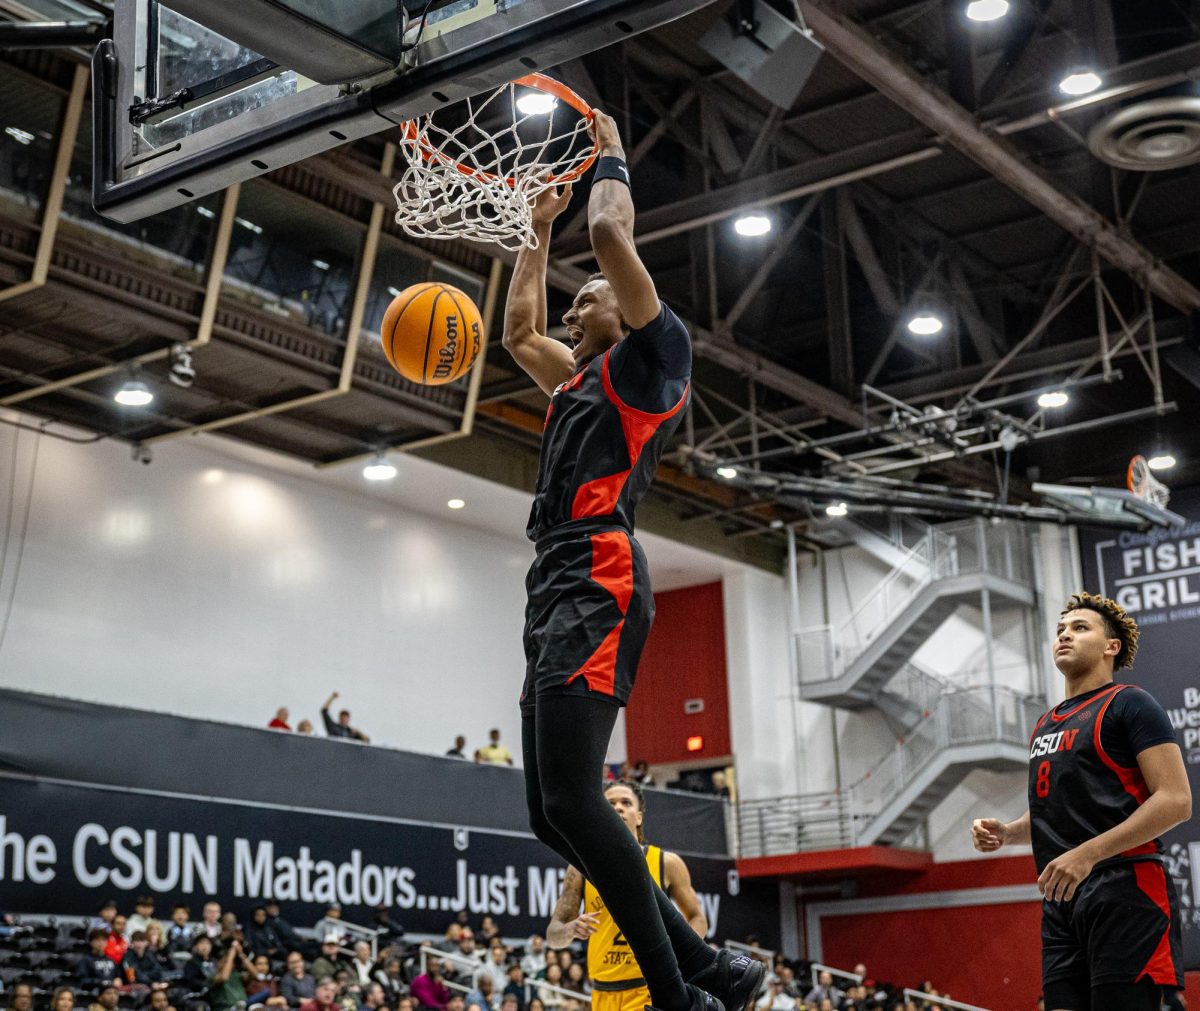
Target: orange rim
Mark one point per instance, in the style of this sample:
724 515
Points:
1134 485
539 82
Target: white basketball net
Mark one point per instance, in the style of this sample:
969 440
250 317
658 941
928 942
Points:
476 174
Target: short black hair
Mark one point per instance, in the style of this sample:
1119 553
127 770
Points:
99 934
598 276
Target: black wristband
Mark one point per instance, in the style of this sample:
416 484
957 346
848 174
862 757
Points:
612 167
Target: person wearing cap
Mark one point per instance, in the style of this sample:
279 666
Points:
329 962
107 999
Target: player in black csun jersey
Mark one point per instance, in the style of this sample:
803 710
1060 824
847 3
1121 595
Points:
616 396
1106 780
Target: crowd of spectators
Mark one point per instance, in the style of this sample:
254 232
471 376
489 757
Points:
218 963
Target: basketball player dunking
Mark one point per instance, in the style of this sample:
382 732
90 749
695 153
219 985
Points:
617 980
1106 779
615 400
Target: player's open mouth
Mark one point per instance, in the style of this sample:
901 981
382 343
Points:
575 334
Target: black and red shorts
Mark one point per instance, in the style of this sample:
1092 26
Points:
588 615
1122 926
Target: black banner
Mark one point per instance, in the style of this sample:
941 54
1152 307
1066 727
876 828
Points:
1155 576
63 848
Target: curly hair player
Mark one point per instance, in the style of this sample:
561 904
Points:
1106 779
615 400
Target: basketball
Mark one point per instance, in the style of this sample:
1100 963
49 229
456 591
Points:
431 333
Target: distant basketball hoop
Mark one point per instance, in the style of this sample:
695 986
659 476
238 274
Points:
1141 481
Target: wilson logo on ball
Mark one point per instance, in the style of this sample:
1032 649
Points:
423 333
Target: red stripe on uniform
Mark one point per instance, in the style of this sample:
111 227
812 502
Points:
1152 879
612 568
1131 779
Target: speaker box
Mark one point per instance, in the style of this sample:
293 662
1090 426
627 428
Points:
776 58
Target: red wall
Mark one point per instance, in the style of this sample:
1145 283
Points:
684 659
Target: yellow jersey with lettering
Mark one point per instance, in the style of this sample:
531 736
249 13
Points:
610 961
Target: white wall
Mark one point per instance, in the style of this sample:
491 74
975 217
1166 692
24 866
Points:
222 582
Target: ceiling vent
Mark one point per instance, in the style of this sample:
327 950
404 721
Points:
1150 136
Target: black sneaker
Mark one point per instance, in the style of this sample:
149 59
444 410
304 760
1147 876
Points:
701 1000
734 980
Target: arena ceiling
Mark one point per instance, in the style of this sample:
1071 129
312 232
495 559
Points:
929 164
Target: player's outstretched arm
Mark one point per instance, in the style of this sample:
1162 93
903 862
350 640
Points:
678 885
989 834
567 923
548 362
610 224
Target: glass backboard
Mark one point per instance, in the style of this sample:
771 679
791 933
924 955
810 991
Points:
182 111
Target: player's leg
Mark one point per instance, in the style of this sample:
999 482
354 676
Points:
1143 996
538 821
570 739
1072 994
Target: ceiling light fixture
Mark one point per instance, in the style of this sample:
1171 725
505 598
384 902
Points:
925 324
256 229
134 393
536 103
379 469
205 212
19 135
1054 398
320 264
1161 461
751 226
729 473
1080 82
455 503
987 10
836 509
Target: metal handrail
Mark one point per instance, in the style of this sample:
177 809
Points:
751 949
940 1002
426 951
818 968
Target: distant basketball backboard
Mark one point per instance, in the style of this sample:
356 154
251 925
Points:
182 111
1108 507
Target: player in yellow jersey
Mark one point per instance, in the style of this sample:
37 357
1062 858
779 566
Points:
617 981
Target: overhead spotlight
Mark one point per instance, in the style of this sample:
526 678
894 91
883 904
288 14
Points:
1054 398
182 373
1161 461
925 324
836 509
987 10
536 103
455 503
751 226
245 223
379 469
776 524
393 291
729 473
205 212
1080 82
321 264
134 393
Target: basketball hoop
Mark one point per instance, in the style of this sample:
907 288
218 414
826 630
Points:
476 172
1144 484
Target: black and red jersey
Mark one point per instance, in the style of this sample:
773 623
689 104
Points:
1083 773
607 428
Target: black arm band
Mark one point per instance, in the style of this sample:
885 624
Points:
612 167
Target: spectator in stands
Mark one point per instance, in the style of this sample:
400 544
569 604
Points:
460 742
63 999
104 916
143 913
260 983
180 933
517 987
283 929
298 984
117 944
494 966
362 963
138 966
373 997
787 981
280 720
641 774
330 960
324 997
566 959
428 988
576 979
776 998
391 978
465 947
331 922
156 947
386 931
534 959
96 969
720 784
230 932
488 931
455 1003
261 937
535 1004
342 727
226 988
494 753
406 1004
550 998
484 995
824 990
160 1001
200 967
509 1002
210 923
304 727
107 999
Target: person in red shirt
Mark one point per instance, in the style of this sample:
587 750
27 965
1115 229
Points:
117 945
281 720
324 996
